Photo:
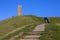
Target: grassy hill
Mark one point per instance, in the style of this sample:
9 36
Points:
13 23
52 30
10 24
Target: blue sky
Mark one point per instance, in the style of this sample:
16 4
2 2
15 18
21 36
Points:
8 8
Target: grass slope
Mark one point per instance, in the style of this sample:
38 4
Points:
52 32
26 28
55 19
11 24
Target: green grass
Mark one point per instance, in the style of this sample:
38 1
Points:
24 29
55 19
11 24
52 32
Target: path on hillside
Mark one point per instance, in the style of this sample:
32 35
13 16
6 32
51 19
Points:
40 27
34 35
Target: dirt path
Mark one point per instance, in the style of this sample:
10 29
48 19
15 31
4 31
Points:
35 34
40 27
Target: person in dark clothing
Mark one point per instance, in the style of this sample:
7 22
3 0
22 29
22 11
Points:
46 20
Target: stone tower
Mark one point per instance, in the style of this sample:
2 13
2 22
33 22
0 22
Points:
19 10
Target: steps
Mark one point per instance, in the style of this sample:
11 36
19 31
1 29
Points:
34 35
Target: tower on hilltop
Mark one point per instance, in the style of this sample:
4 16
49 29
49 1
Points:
19 10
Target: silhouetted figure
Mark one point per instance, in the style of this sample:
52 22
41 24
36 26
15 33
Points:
46 20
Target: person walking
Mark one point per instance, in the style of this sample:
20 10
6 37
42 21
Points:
46 19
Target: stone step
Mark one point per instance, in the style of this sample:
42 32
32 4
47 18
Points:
31 37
